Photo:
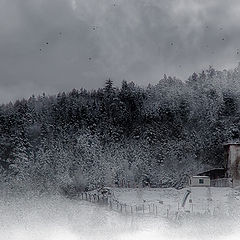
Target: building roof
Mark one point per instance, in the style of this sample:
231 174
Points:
200 176
212 169
231 143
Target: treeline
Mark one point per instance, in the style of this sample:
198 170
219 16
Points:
120 135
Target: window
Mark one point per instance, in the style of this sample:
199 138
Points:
201 181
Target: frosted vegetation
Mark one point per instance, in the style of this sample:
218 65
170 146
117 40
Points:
119 135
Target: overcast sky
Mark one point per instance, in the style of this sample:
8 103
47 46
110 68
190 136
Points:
56 45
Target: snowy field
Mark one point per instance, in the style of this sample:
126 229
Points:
57 218
202 200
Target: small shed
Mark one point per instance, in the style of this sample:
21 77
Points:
218 177
199 181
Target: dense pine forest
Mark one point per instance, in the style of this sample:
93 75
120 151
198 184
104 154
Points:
114 136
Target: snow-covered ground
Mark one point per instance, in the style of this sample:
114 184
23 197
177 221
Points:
202 200
58 218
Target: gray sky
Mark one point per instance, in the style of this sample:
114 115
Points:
56 45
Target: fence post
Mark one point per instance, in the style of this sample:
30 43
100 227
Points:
167 212
143 208
156 211
131 210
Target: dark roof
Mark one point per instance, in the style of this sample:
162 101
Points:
214 173
212 169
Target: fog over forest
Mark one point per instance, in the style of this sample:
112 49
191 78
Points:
109 109
149 136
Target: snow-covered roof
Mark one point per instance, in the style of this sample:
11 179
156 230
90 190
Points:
231 143
200 176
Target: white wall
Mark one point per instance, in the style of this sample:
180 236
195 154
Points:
194 181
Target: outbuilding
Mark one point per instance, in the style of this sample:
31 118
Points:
199 181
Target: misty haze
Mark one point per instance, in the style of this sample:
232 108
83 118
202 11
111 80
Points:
119 119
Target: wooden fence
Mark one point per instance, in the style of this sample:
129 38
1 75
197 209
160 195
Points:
140 209
154 209
221 182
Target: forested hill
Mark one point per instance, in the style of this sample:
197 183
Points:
86 138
